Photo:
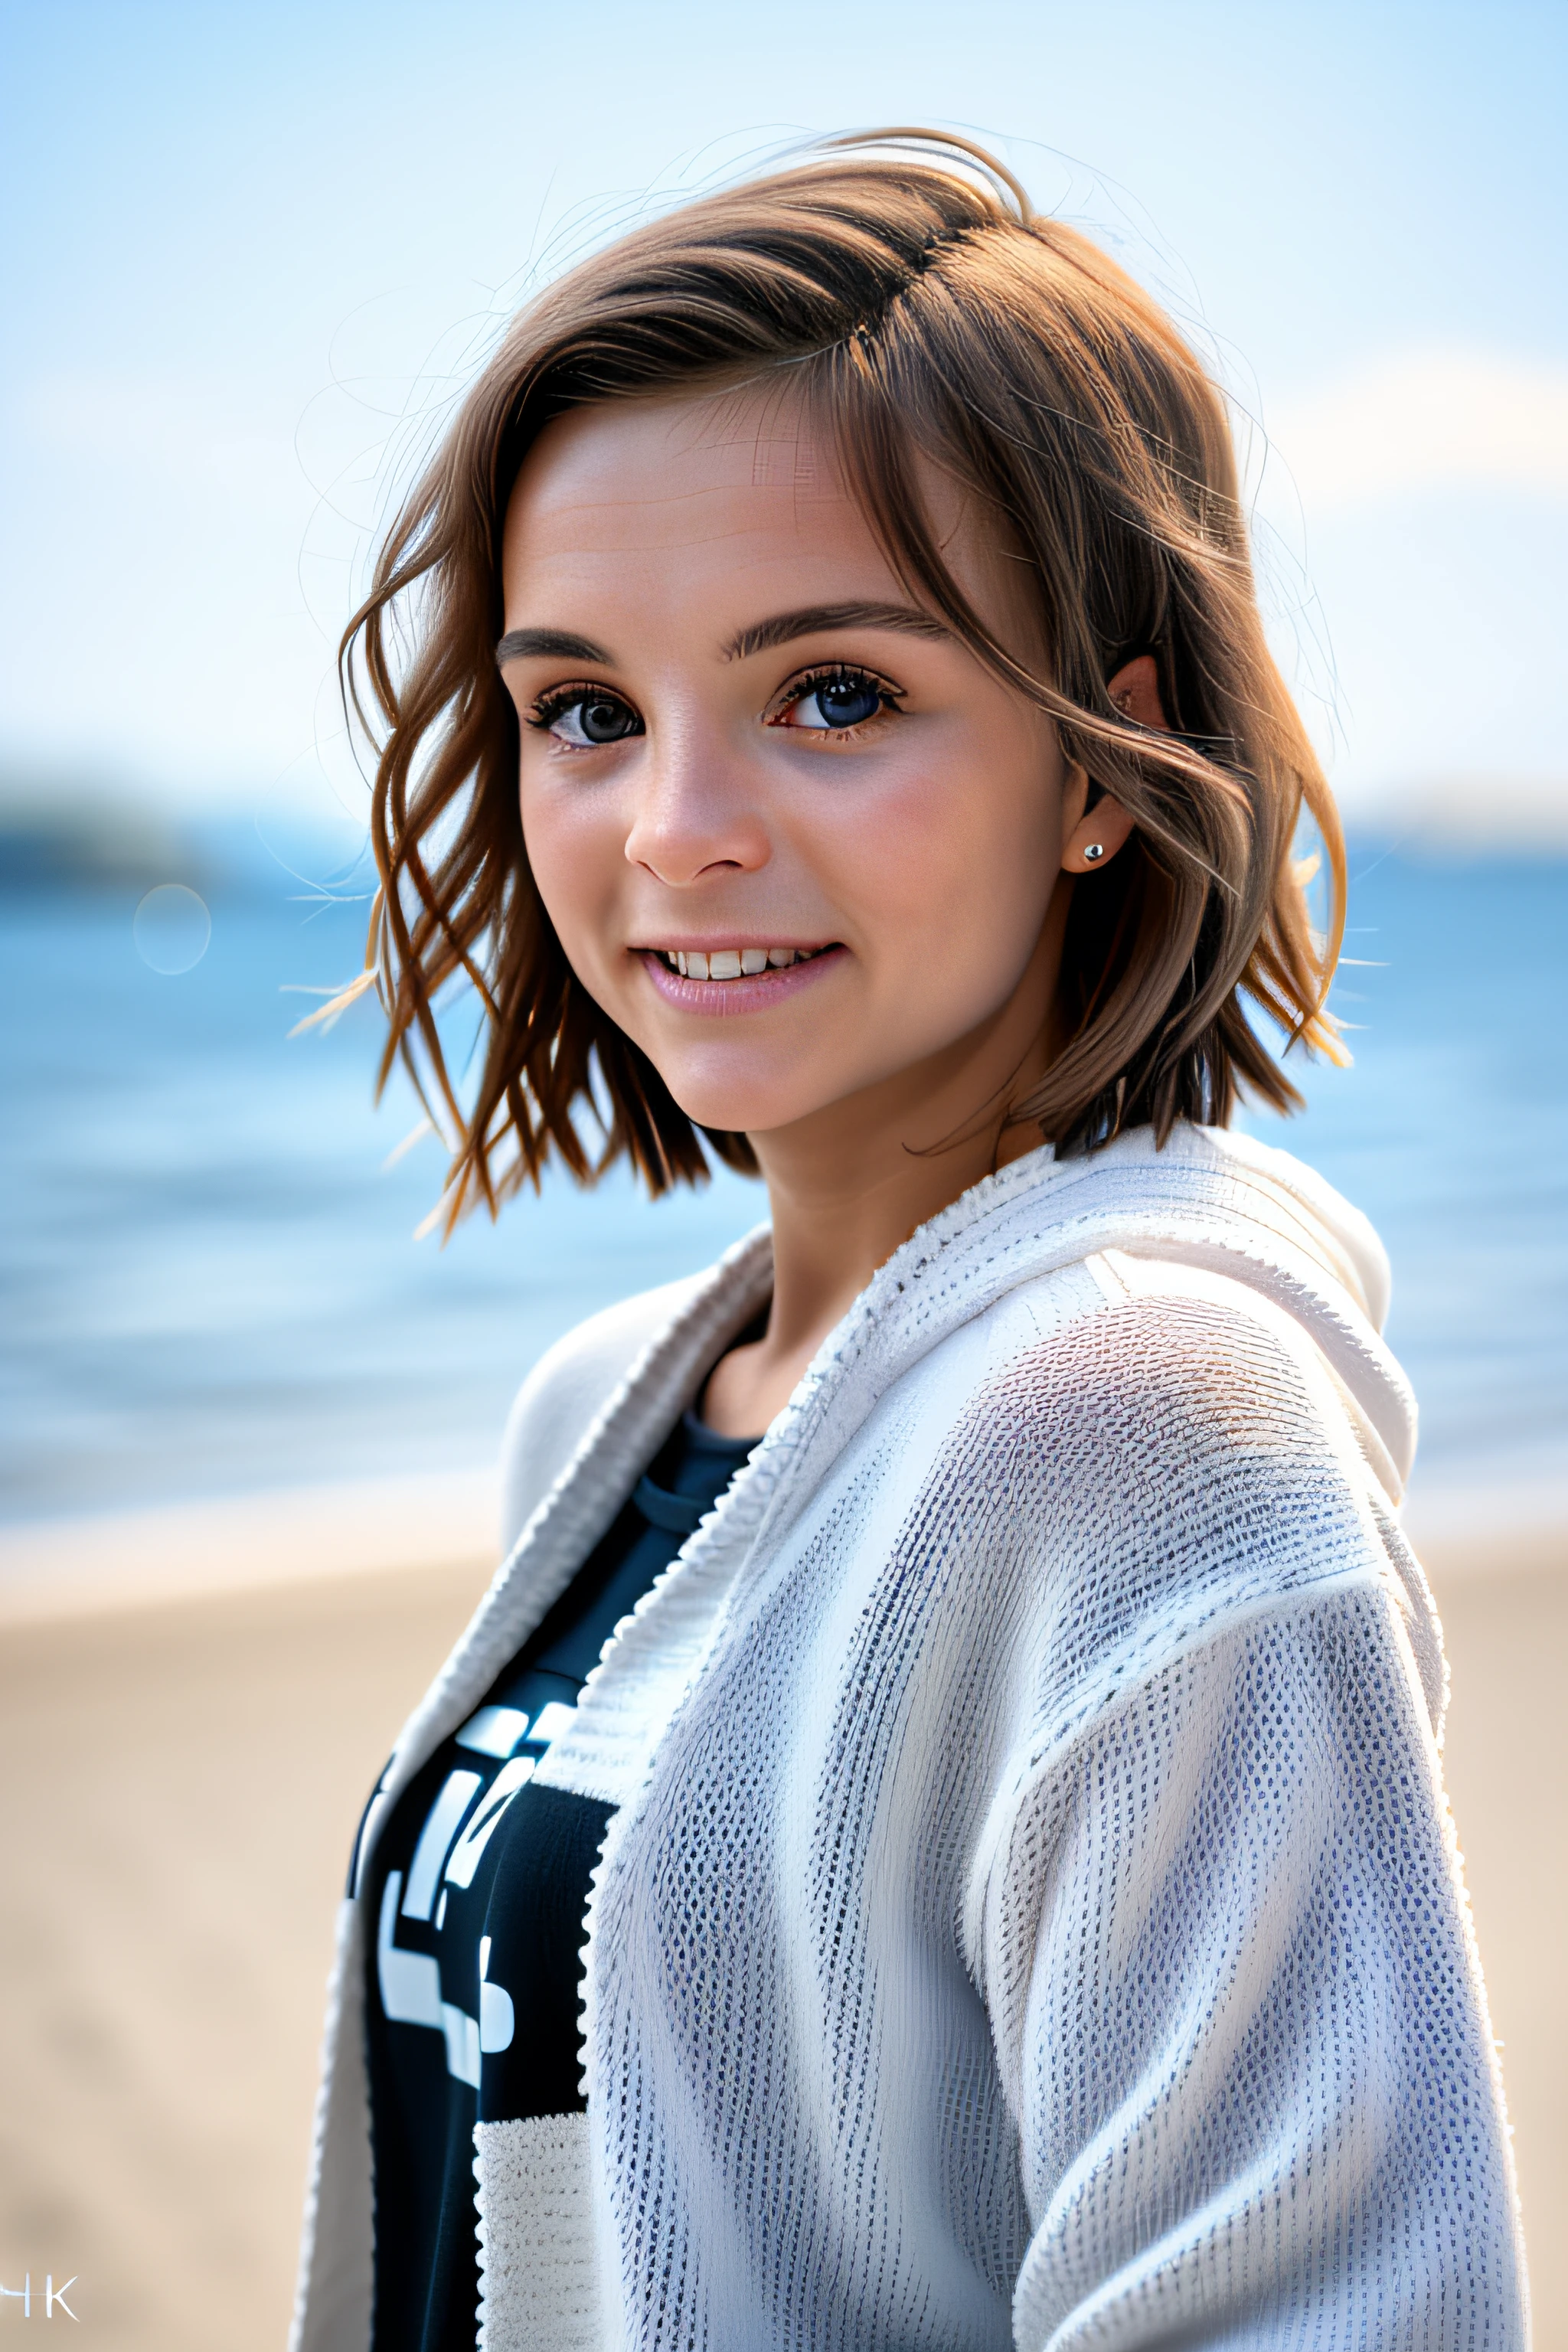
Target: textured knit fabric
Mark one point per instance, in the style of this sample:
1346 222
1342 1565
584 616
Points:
1031 1914
478 1885
540 2290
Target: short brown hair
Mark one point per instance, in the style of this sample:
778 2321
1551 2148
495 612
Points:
904 288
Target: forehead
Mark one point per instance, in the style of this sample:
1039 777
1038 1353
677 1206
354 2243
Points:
716 510
725 480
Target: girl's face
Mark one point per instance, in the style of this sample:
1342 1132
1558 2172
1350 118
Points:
795 839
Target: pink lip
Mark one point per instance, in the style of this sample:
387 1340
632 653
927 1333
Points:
758 995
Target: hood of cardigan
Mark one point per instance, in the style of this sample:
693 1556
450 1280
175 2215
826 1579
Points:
1208 1197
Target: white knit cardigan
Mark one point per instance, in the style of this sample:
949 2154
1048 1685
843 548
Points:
1032 1916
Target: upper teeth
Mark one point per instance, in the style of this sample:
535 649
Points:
732 963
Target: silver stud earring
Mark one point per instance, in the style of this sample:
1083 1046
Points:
1094 853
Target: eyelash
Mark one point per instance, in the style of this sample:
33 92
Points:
558 700
838 674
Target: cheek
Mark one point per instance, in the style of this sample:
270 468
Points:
574 848
956 870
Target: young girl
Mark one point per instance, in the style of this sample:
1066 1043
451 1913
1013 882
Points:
934 1836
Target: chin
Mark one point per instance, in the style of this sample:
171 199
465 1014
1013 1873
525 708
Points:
738 1114
739 1108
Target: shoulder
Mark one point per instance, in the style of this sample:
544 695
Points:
1178 1461
1176 1362
557 1404
1187 1417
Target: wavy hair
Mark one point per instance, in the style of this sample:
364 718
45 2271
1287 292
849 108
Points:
902 285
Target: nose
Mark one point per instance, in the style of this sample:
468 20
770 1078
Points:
695 817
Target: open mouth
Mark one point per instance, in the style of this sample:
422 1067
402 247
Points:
735 963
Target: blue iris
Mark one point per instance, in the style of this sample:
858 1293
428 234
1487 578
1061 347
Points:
847 701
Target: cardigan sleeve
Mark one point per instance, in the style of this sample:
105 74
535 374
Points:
1226 1949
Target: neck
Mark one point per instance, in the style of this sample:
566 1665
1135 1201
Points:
840 1211
851 1184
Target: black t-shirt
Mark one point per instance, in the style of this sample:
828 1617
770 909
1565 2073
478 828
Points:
477 1886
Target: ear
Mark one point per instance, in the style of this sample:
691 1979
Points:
1089 842
1094 839
1135 691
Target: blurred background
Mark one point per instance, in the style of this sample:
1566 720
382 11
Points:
252 255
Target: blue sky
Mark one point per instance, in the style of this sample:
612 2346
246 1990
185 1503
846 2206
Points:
248 249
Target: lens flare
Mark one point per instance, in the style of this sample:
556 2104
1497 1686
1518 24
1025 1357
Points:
172 927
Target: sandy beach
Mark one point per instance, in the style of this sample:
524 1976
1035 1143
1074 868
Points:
193 1706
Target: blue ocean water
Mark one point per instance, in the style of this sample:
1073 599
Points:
211 1284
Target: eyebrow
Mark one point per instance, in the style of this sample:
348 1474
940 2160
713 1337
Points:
812 620
762 637
547 645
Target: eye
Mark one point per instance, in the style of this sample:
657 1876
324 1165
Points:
835 701
585 717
